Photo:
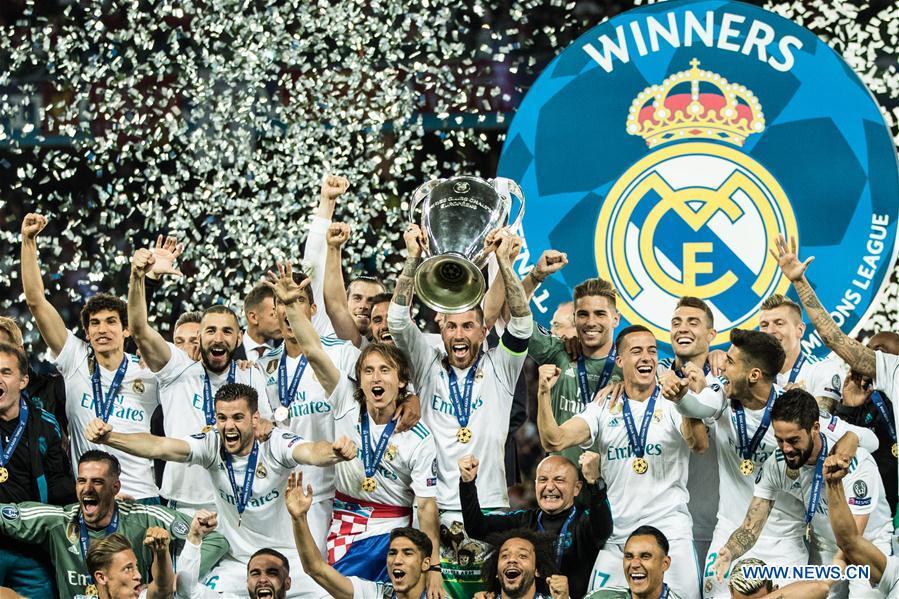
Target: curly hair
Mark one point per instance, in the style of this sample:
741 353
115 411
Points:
100 302
544 558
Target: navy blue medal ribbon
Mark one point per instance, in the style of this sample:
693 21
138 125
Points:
584 384
877 400
817 482
747 447
242 495
462 401
563 541
208 402
371 459
7 452
84 539
797 366
287 392
103 404
637 440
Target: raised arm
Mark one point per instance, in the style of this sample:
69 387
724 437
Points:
429 523
153 348
553 437
298 503
288 292
315 250
516 298
161 571
415 245
324 453
861 359
49 322
335 289
143 445
550 261
744 538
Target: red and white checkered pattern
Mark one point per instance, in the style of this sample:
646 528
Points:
345 527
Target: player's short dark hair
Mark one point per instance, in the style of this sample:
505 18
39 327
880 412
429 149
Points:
748 586
688 301
274 553
796 405
651 531
100 302
421 541
99 555
393 356
380 298
777 300
258 294
629 330
761 350
543 549
189 317
478 312
13 350
220 309
596 286
97 455
235 391
366 279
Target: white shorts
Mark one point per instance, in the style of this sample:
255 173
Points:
682 576
773 551
229 578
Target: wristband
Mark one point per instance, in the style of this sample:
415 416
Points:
435 568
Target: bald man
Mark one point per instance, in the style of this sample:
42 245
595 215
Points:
580 533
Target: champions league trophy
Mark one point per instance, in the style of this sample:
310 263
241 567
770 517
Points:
456 216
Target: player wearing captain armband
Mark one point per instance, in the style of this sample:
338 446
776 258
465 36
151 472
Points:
247 476
395 470
795 476
466 399
645 445
740 407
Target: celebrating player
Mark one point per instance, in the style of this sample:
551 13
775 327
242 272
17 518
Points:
113 566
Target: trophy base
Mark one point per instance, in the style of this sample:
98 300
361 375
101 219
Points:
449 283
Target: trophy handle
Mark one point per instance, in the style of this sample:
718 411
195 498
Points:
420 194
506 188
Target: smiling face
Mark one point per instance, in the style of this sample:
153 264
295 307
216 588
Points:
517 567
556 485
740 375
405 564
267 577
463 334
105 331
96 489
379 331
691 333
122 578
595 319
236 425
645 564
12 381
796 444
783 324
358 301
219 336
380 383
638 359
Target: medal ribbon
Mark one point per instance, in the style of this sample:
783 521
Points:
103 404
242 496
747 447
797 366
564 535
584 384
817 482
371 460
877 399
637 441
706 369
287 393
208 403
462 402
84 539
6 455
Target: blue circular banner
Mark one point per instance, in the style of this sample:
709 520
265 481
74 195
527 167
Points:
668 147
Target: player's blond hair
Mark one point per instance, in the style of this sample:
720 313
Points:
747 586
777 300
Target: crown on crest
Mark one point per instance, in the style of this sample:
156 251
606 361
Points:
695 104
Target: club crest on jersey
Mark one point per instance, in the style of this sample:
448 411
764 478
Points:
138 386
390 453
10 512
179 528
681 131
261 472
271 367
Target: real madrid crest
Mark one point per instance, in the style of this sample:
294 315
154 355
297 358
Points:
271 367
138 386
479 375
391 452
261 472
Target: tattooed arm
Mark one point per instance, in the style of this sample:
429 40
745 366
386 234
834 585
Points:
860 358
743 539
415 243
516 298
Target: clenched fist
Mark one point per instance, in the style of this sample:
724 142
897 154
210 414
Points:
98 431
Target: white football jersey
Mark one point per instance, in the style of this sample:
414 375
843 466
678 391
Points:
134 404
491 406
659 496
315 254
822 378
181 383
889 581
310 412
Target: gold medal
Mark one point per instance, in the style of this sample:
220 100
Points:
207 428
369 484
463 434
746 467
640 465
4 475
895 451
91 590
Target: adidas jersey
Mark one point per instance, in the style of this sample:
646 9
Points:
822 378
862 485
181 395
659 496
134 405
889 581
491 407
408 468
311 414
56 530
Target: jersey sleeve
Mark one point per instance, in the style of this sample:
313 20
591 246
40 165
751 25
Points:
281 444
174 368
708 403
835 427
828 380
204 448
30 521
512 351
886 378
862 487
72 354
188 574
368 588
542 346
346 357
342 399
424 467
590 415
315 254
768 483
